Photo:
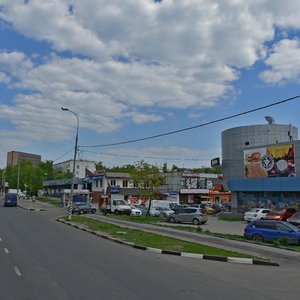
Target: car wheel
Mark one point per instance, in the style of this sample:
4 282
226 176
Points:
81 212
116 212
172 220
257 237
93 211
196 221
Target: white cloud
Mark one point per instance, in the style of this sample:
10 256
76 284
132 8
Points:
140 118
111 59
284 62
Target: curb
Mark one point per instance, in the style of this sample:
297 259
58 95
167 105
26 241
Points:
32 209
248 261
252 242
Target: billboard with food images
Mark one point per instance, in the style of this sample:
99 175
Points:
272 161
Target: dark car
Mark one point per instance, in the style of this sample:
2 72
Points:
295 219
281 214
83 208
269 230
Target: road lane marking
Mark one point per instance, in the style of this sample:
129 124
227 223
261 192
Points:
6 250
17 271
0 239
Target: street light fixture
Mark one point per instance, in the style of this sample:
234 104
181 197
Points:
70 206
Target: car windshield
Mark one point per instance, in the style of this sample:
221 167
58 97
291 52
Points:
120 202
254 210
297 215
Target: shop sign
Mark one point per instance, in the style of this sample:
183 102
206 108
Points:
194 191
215 162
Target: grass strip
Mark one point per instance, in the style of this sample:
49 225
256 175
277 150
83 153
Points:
230 219
195 229
153 240
139 219
52 201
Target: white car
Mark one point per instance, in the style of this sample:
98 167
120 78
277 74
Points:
135 211
256 214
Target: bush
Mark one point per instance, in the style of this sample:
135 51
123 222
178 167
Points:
276 243
284 240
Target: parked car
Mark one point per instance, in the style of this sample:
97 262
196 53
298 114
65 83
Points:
164 211
154 212
209 210
270 230
295 219
281 214
142 208
256 214
83 208
177 207
188 215
135 211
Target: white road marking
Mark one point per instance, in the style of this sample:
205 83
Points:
0 239
17 271
6 250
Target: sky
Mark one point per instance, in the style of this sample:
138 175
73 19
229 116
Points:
139 68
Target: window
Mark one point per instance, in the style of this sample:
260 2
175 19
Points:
269 225
125 183
77 166
282 227
113 182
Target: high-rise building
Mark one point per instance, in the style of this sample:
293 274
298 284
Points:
14 157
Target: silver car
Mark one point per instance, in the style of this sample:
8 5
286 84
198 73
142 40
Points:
188 215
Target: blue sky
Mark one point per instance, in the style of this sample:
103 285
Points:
132 69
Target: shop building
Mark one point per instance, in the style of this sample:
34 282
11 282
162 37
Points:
260 166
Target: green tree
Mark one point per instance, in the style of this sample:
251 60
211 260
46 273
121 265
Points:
123 169
31 177
148 179
100 166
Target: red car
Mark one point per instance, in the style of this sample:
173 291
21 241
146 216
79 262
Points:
281 214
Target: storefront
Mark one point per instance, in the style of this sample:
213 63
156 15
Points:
271 193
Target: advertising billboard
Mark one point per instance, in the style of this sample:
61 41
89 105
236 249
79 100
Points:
272 161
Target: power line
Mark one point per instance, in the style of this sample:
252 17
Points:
148 157
64 155
192 127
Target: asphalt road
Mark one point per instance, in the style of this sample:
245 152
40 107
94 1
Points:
43 259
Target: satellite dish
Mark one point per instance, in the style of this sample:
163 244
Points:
270 120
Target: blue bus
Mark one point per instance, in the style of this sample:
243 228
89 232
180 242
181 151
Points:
10 199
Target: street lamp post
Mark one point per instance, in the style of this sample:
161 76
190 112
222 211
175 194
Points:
70 206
